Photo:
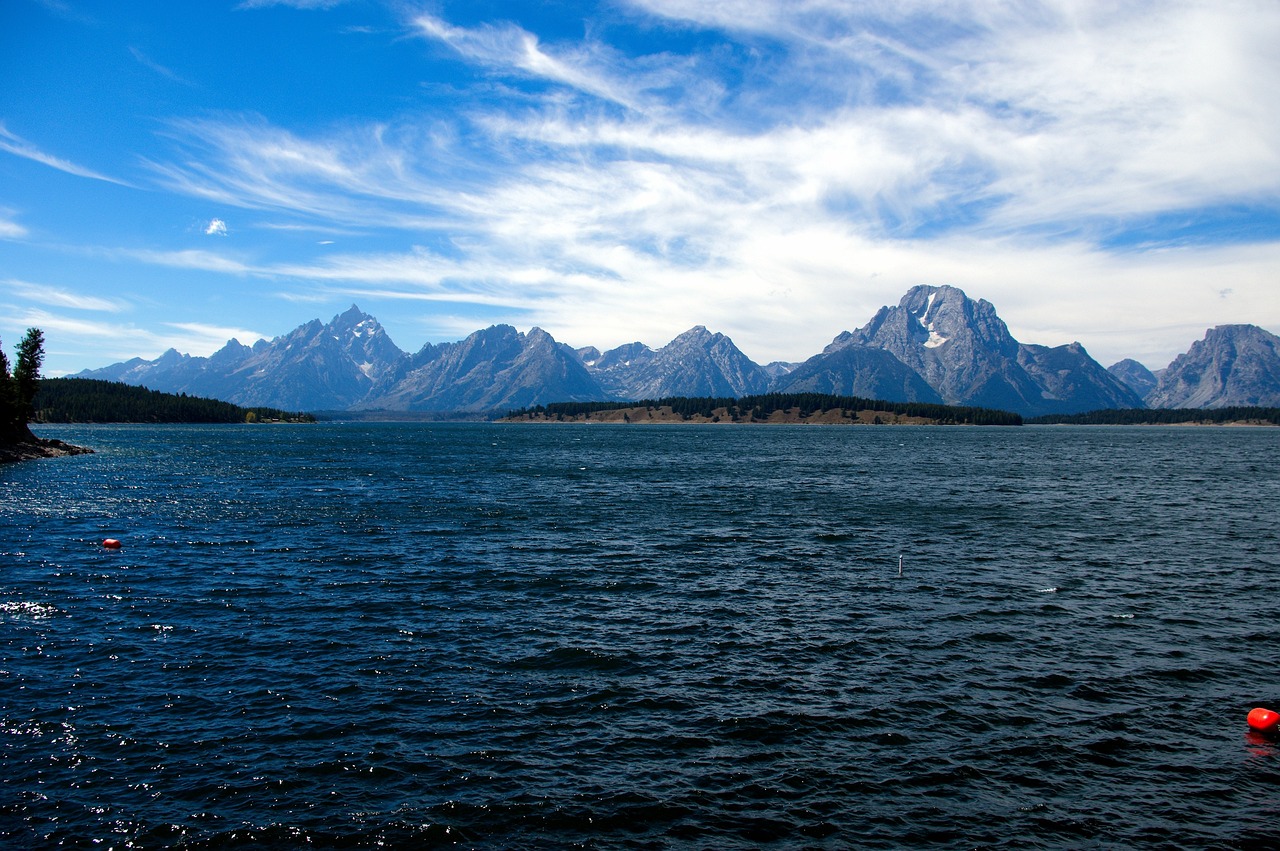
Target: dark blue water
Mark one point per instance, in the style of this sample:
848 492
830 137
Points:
491 636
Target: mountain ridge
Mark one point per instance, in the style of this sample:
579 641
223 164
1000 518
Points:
936 345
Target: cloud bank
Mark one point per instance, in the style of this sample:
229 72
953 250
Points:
1108 172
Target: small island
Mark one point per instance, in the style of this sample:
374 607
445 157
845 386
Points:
770 408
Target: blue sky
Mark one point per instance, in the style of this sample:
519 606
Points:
177 174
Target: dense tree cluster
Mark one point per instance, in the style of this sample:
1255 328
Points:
759 407
1164 416
86 400
18 388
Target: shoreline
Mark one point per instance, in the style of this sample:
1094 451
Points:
664 415
41 447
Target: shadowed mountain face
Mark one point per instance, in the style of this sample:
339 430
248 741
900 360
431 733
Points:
935 345
859 371
965 353
697 363
496 369
314 367
1140 379
1232 365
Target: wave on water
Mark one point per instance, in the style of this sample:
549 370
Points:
483 636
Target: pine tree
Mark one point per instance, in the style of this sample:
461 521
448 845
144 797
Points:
18 389
8 400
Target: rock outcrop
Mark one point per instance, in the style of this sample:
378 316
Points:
1232 365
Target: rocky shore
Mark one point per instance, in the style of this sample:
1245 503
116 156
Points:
29 450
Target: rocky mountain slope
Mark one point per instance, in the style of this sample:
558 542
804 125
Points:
935 345
1140 379
965 353
496 369
1232 365
697 363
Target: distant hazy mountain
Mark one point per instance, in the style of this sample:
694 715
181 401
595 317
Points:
314 367
965 353
936 345
1140 379
1232 365
697 363
615 368
496 369
858 371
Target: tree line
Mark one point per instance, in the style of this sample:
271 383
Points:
1164 416
89 400
758 408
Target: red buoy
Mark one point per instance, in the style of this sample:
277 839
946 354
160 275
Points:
111 544
1264 720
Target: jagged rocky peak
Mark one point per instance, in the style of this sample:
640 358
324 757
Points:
1135 375
698 333
698 362
1232 365
234 352
622 356
539 337
926 320
934 309
355 320
361 330
776 369
963 350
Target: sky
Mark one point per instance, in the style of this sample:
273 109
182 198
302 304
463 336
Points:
180 174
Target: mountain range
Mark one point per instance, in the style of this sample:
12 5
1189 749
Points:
935 345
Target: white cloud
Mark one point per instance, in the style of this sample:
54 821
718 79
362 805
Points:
857 150
57 297
123 340
216 227
9 229
206 261
20 147
163 71
511 47
202 339
296 4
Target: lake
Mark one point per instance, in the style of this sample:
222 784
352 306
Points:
499 636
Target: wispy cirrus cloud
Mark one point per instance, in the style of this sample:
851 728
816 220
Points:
124 339
60 297
9 228
378 176
162 70
817 156
1077 109
20 147
296 4
205 261
510 47
201 337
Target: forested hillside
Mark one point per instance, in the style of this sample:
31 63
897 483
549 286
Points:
759 408
87 400
1165 416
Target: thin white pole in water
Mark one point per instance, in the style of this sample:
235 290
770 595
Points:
899 565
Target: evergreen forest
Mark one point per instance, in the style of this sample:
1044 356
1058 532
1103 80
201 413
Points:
87 400
1164 416
757 408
